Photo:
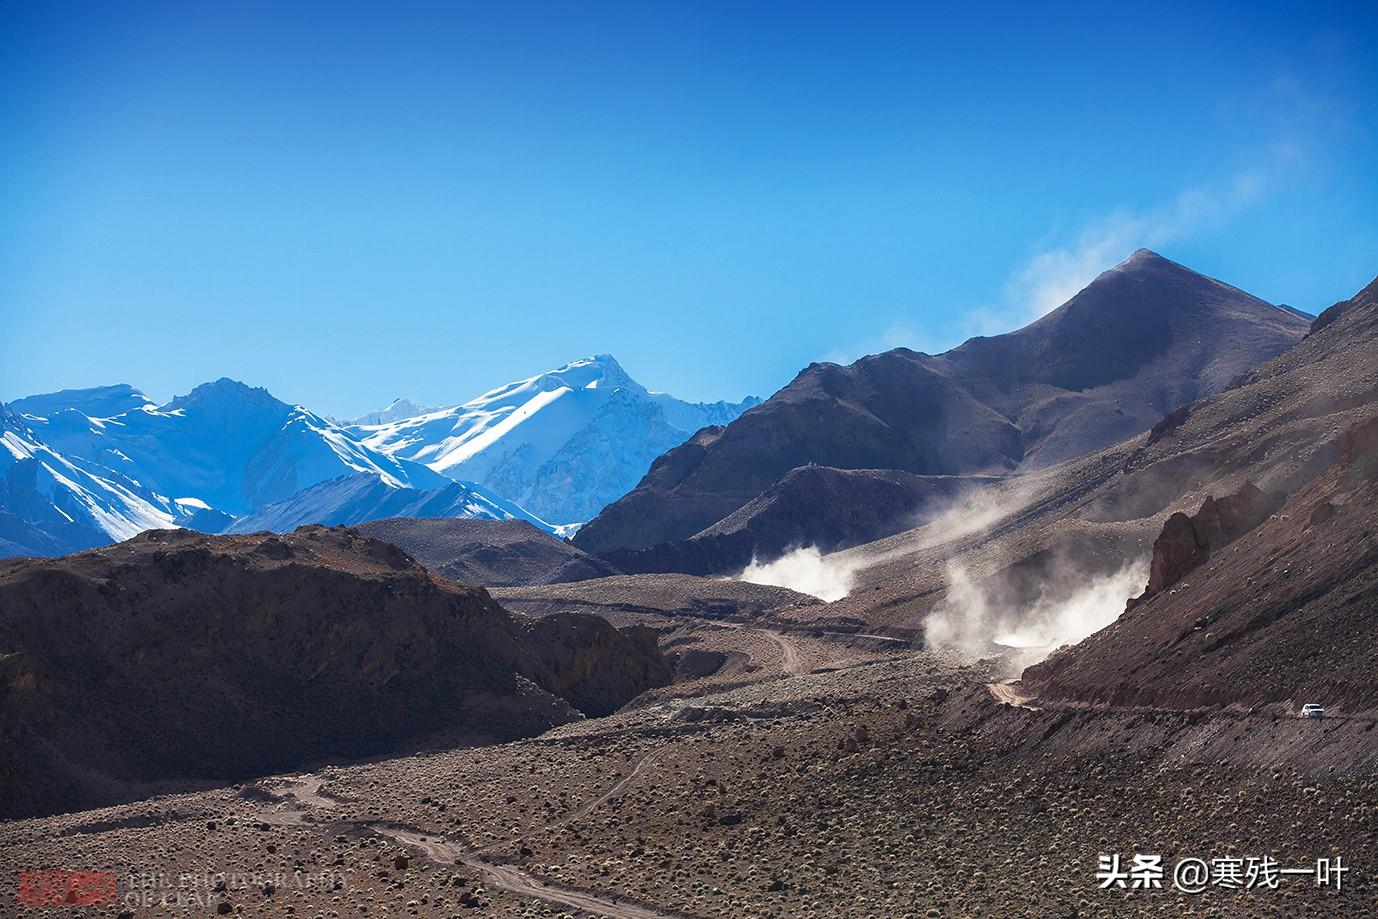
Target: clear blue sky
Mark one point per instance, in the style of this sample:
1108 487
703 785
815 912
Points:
350 202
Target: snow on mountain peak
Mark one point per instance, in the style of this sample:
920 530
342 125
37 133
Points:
108 462
231 446
93 402
395 410
561 444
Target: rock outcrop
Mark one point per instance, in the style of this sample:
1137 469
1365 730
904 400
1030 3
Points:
179 657
1187 541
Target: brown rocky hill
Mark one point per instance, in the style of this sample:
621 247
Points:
180 657
1285 614
489 553
1279 428
1141 340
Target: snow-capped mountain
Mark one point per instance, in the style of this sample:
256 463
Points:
396 410
561 444
84 467
225 446
361 497
50 505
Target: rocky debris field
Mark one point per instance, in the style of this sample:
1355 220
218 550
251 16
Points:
894 788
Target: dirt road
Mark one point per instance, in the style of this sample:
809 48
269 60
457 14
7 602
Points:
792 663
303 799
513 879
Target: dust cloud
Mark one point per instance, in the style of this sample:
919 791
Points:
807 570
977 620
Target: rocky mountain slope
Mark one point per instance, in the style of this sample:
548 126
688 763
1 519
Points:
1043 537
1251 607
178 657
1141 340
816 506
561 444
489 553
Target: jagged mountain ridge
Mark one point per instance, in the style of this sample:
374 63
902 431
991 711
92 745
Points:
232 447
85 467
50 505
228 456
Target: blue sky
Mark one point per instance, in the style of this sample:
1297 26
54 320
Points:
351 202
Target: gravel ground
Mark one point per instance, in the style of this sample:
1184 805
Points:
863 791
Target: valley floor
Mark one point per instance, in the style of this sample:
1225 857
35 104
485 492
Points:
806 777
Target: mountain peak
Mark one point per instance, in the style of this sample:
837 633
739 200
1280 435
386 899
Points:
613 372
396 410
602 371
1147 258
94 401
224 391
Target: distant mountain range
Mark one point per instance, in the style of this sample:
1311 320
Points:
840 456
86 467
563 444
894 429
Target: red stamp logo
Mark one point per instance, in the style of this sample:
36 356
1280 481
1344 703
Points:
67 888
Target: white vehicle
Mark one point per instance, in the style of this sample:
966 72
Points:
1312 710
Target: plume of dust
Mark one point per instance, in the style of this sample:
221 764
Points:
832 576
977 511
806 570
974 621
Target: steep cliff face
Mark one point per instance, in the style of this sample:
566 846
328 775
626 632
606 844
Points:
572 655
178 656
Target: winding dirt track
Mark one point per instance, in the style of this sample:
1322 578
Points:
513 880
304 792
792 663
